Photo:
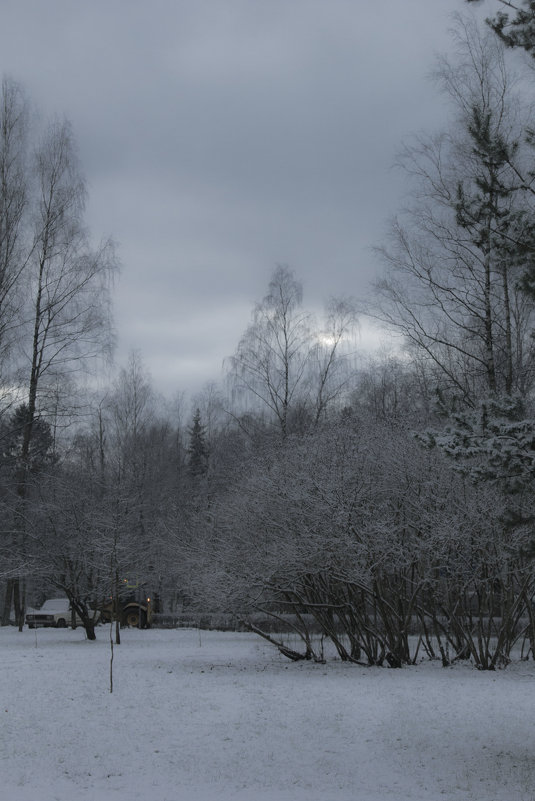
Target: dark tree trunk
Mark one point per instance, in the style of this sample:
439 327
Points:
89 626
8 599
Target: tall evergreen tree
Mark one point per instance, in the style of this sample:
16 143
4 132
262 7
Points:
460 254
197 449
42 446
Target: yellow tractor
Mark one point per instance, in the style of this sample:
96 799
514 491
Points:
131 606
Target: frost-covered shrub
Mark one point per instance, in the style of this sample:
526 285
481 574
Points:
373 538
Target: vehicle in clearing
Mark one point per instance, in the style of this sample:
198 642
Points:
131 606
131 612
54 613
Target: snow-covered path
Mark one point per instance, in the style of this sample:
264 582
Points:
222 716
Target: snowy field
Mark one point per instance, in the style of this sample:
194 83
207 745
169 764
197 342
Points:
220 716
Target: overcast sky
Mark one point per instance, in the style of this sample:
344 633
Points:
220 138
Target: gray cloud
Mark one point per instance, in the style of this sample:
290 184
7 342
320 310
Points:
221 138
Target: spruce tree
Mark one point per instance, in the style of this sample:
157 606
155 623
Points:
503 231
41 452
197 448
516 31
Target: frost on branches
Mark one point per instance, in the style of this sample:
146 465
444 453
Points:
364 537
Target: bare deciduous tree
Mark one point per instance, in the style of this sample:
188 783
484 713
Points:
14 198
63 319
332 369
271 359
457 256
285 363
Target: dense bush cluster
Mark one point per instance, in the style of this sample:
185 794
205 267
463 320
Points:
384 546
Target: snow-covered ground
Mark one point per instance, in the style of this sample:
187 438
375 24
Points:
217 716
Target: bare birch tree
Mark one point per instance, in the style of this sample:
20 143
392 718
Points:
285 363
271 359
65 321
14 200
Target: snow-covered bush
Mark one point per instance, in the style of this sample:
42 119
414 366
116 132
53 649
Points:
373 538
